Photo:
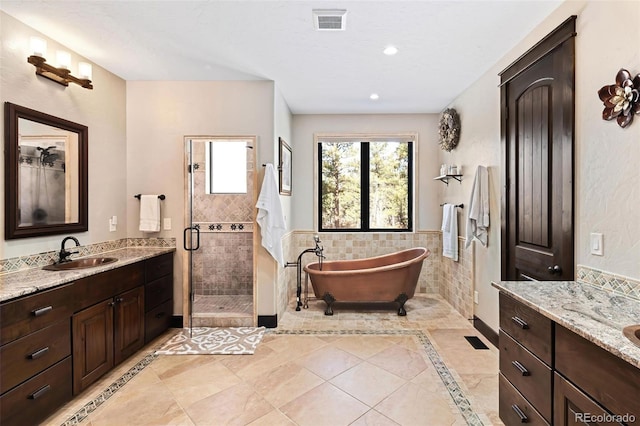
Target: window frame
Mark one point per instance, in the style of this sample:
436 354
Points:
365 140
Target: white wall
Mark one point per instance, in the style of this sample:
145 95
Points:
427 211
607 176
102 110
159 116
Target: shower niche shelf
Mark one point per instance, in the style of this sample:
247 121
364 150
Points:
445 178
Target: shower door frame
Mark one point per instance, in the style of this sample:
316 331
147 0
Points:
188 294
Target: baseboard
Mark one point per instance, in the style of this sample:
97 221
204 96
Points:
176 321
268 321
486 331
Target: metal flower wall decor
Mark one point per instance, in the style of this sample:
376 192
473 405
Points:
449 130
621 100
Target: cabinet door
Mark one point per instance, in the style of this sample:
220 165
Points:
92 344
129 323
572 407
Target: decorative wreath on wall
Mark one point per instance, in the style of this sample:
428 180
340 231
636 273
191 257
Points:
449 130
621 100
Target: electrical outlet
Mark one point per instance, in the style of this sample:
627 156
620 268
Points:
476 297
166 223
597 244
113 225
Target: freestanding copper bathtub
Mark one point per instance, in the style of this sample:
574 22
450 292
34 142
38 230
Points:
387 278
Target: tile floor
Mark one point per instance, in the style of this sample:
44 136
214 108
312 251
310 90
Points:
358 367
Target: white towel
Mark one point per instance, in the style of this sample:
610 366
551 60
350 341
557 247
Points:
478 219
149 213
270 217
450 231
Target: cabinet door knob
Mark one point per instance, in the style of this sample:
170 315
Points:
555 269
119 299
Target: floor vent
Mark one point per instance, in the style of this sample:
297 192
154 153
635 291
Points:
476 342
330 19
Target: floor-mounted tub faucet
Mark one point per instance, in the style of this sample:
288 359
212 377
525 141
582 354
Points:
64 254
318 251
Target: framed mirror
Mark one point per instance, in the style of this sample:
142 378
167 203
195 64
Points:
46 174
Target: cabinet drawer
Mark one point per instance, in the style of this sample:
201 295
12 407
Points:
157 321
528 374
37 398
159 266
96 288
608 379
513 408
533 330
158 291
31 354
31 313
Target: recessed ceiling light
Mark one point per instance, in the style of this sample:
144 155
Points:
390 50
374 97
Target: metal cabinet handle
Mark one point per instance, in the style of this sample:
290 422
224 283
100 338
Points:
37 354
37 394
523 417
161 314
41 311
521 323
119 299
521 368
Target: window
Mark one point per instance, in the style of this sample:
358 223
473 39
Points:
365 185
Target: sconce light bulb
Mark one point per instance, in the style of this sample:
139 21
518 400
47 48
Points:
38 46
85 71
63 59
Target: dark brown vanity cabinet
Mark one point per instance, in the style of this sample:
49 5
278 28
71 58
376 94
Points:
158 305
55 343
106 334
551 375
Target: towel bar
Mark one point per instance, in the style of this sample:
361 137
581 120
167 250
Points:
457 205
161 196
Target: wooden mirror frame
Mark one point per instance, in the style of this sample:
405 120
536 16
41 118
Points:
11 202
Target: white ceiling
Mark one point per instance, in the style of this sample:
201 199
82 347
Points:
444 46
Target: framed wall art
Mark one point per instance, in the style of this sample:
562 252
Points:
284 168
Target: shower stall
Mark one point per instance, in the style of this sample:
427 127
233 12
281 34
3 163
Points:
219 236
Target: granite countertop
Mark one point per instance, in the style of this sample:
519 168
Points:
21 283
593 313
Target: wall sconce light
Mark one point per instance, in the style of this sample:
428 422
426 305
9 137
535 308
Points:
61 75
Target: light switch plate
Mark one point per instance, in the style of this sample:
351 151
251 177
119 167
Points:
596 244
166 223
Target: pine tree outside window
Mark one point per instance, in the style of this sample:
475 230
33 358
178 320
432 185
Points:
365 185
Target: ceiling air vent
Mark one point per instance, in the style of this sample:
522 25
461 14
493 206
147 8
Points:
329 19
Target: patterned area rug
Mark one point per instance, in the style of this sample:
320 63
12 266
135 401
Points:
214 341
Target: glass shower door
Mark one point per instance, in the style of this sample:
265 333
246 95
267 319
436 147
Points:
219 231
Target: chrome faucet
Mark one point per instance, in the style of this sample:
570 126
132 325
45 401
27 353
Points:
64 254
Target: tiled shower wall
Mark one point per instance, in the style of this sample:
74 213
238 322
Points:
456 279
224 264
340 245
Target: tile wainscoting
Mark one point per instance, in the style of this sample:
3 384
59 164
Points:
452 280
